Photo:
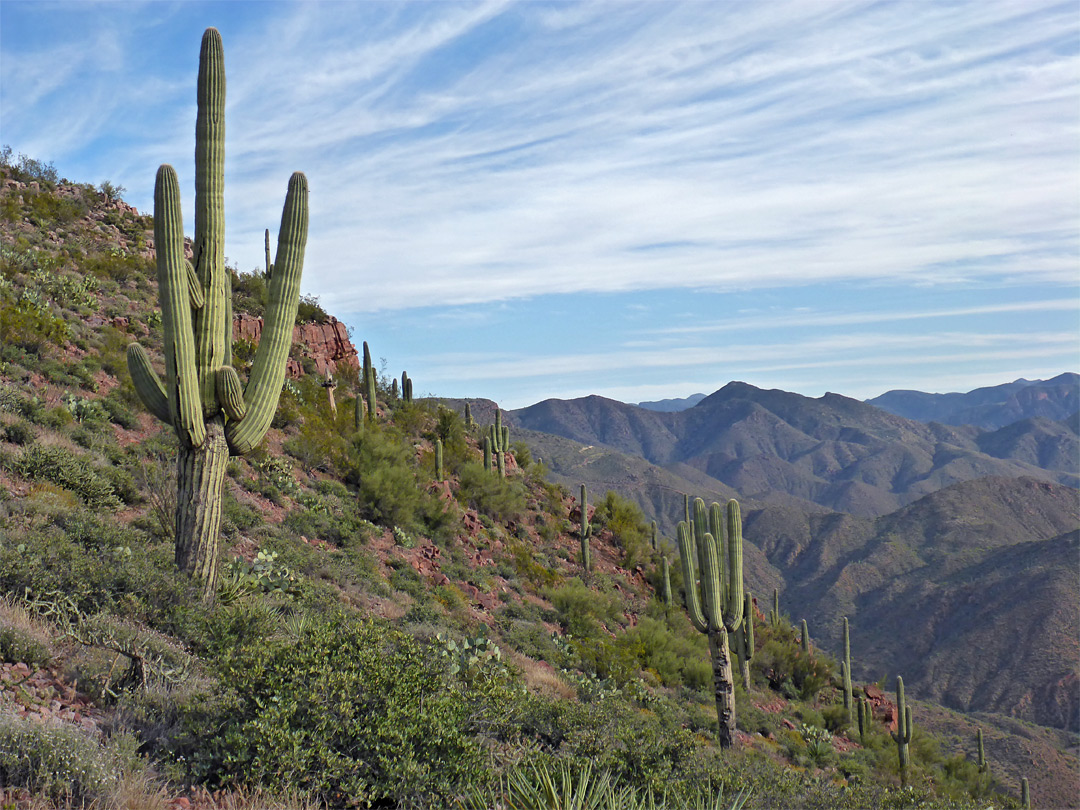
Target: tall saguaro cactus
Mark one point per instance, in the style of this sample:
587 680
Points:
715 559
904 727
202 397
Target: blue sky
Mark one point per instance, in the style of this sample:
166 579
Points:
634 199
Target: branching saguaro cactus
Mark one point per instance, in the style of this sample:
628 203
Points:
904 727
202 397
715 559
984 766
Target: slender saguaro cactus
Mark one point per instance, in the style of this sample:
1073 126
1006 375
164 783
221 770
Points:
865 716
718 609
269 265
468 415
487 453
904 727
586 556
394 388
774 615
654 540
744 638
804 639
667 584
984 766
1025 794
500 462
848 701
358 412
202 397
438 460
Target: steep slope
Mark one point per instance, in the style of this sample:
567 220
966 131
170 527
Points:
972 590
835 451
991 407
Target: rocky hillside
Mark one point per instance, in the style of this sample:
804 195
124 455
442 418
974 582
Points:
383 633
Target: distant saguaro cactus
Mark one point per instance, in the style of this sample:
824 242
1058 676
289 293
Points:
1025 794
984 766
586 556
214 415
718 609
438 460
846 664
654 539
904 728
369 382
667 583
487 453
804 638
865 718
774 614
468 415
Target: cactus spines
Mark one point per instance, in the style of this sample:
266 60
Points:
201 395
804 637
1025 794
744 638
846 671
904 727
586 555
984 766
487 453
718 609
438 460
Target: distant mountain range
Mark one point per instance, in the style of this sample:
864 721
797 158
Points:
839 453
991 408
672 405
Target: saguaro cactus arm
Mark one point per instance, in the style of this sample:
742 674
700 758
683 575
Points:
268 369
181 376
147 383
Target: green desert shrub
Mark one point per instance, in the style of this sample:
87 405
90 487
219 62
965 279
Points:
70 471
353 711
59 761
501 499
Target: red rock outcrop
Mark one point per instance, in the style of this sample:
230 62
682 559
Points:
327 344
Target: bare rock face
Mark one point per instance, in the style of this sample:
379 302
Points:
326 344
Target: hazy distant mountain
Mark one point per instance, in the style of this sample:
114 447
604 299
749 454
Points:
837 452
672 405
992 407
970 593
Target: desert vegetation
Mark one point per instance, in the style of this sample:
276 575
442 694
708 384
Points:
382 601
